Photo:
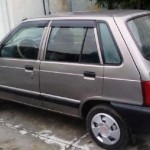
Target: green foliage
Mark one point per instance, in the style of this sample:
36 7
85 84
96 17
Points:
136 4
130 4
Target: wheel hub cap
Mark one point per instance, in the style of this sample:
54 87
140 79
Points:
105 129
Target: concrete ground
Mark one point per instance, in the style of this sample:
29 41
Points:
25 128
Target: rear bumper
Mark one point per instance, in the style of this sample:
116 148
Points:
126 108
137 117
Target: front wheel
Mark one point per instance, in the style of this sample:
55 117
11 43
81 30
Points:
107 128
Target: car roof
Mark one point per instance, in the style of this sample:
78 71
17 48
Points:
111 13
94 14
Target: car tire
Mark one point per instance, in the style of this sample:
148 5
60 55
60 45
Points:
107 128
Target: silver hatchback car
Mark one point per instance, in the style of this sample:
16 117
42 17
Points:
88 65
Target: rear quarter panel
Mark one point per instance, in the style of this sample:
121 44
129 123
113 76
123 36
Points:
122 83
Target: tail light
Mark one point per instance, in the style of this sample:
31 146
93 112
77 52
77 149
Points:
146 92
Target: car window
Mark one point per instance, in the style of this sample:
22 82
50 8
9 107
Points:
65 44
90 52
23 44
140 29
110 51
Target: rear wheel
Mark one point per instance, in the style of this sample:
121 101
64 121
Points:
107 128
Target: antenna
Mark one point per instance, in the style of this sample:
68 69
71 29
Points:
24 19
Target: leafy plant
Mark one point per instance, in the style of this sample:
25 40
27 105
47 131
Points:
131 4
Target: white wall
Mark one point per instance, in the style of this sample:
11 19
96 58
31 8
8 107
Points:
26 9
4 21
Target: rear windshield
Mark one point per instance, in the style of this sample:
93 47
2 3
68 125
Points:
140 29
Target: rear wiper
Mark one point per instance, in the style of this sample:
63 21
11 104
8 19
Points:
147 57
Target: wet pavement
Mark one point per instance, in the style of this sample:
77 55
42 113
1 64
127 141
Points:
26 128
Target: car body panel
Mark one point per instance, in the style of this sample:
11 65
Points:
62 87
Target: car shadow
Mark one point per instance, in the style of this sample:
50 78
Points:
140 127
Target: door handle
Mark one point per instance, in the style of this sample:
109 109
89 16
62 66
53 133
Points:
89 74
29 67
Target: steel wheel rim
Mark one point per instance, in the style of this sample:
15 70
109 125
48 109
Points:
105 129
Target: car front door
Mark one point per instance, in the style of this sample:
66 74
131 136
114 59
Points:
71 70
19 63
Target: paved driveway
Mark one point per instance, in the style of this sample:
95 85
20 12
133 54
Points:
25 128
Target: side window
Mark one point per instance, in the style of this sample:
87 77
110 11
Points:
65 44
90 52
110 51
23 43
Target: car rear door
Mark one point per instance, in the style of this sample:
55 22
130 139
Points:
71 69
19 63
